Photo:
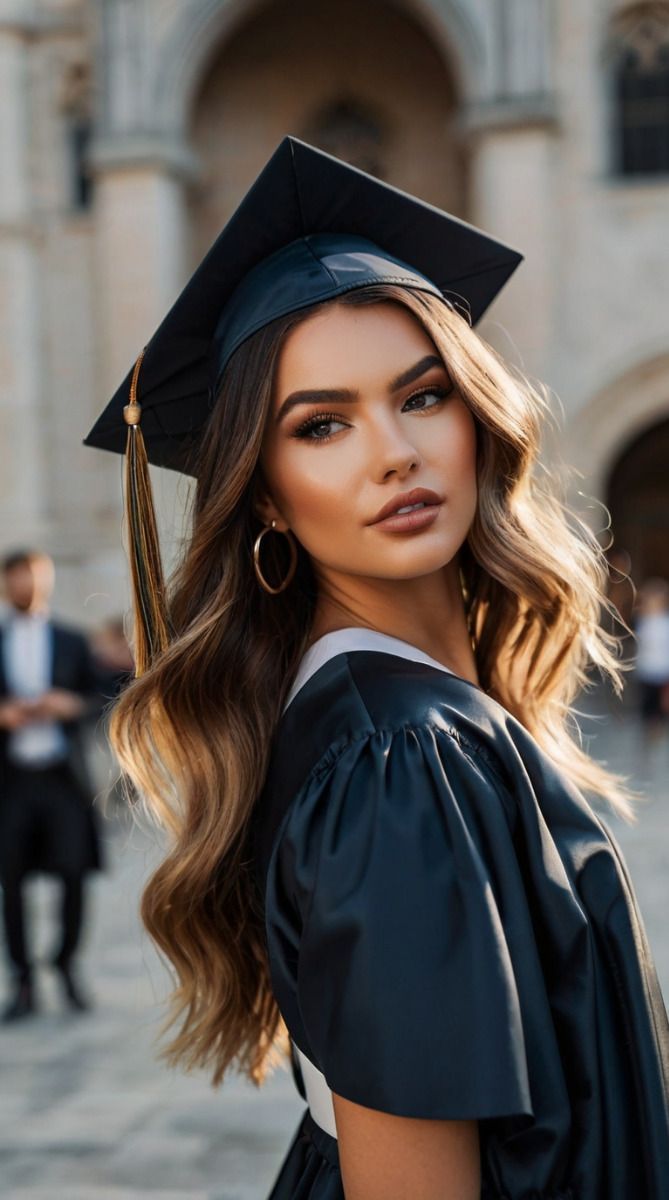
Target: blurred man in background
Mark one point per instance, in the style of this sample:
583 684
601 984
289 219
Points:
651 628
48 688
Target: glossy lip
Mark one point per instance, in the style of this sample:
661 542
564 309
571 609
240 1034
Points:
417 496
408 522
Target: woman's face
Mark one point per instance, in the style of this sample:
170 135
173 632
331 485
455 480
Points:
363 410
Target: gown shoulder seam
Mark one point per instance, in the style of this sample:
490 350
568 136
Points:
471 748
467 744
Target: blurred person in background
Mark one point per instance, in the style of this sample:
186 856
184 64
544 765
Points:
620 591
616 618
651 626
49 686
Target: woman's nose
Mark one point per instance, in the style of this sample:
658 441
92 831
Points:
393 451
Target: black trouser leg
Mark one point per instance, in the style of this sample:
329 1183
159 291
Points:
71 912
14 921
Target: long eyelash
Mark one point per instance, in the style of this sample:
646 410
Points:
438 390
315 420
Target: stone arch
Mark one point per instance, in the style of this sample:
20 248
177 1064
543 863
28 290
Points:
202 26
631 401
637 496
278 73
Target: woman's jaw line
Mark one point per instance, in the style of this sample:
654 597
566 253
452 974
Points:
428 615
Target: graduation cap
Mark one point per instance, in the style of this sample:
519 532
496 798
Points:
310 228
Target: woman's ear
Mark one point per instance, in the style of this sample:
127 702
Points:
262 504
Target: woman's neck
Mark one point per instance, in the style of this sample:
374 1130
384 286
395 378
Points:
427 613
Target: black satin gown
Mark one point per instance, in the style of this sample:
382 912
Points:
452 933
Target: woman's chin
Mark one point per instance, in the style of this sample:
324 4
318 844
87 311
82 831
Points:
407 563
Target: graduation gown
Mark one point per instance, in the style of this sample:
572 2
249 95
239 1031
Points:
452 933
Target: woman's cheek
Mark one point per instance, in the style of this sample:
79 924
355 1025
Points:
310 503
460 460
323 484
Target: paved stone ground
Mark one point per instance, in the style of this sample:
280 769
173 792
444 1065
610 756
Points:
86 1110
88 1113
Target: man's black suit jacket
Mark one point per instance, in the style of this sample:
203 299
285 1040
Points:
73 668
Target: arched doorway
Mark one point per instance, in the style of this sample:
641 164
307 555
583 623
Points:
359 78
637 495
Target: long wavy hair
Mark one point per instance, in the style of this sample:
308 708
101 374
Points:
193 734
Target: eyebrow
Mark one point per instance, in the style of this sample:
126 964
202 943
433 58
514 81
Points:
345 395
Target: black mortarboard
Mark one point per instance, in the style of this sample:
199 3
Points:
308 229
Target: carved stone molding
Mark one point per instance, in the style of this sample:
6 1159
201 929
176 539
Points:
516 113
23 18
145 150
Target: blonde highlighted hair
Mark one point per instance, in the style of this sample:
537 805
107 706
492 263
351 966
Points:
193 733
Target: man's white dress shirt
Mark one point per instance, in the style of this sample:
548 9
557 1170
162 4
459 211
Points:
28 663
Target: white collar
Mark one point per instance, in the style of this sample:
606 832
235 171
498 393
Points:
27 618
354 637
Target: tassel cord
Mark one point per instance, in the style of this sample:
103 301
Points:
151 633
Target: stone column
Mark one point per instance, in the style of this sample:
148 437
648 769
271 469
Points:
140 233
21 477
141 264
141 258
510 128
512 197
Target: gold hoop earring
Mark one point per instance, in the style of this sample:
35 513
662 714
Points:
256 559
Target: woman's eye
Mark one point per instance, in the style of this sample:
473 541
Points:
310 429
438 392
321 426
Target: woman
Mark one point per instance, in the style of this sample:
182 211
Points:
356 729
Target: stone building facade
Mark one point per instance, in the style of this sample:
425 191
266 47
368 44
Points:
130 129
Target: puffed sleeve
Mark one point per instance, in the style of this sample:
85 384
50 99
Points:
389 952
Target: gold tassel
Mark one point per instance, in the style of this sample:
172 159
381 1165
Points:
146 569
